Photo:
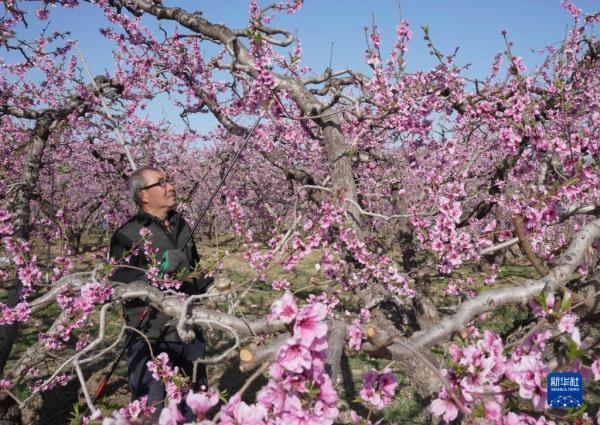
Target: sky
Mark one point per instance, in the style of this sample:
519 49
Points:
473 25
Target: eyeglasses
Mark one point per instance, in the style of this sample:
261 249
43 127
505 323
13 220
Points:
161 182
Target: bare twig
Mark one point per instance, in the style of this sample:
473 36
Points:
526 245
106 110
258 372
498 247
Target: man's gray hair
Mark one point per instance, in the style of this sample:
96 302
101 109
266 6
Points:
137 181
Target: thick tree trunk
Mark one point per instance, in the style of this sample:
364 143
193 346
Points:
426 313
73 242
340 166
405 231
423 378
46 123
21 210
10 413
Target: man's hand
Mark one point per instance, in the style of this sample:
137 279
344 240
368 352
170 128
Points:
173 261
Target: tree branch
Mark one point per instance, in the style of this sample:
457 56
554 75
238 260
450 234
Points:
495 298
526 245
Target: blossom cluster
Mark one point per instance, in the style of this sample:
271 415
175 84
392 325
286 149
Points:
355 330
378 388
176 386
483 378
79 308
299 389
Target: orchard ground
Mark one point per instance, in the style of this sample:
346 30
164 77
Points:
64 404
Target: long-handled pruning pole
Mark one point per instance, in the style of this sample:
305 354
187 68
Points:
144 314
103 383
212 196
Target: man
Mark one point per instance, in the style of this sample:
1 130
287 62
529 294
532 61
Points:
155 197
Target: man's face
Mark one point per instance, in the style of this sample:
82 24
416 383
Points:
157 196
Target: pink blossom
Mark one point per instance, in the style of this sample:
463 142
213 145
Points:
596 368
571 8
170 415
378 390
490 278
444 407
331 300
356 418
272 395
511 419
490 227
145 233
202 402
4 215
356 334
134 409
310 323
284 309
529 371
403 30
518 64
22 312
375 38
545 308
365 315
6 228
137 408
294 357
299 389
42 13
510 138
160 368
280 284
493 410
387 385
96 292
567 322
173 391
249 415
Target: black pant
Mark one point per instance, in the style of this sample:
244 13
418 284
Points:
180 354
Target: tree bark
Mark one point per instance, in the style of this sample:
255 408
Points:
405 231
46 123
340 166
21 210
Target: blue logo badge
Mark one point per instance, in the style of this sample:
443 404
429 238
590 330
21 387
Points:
565 390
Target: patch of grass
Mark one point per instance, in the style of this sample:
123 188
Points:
503 319
29 334
591 394
408 407
524 271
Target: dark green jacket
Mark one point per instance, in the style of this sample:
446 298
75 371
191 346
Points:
156 325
